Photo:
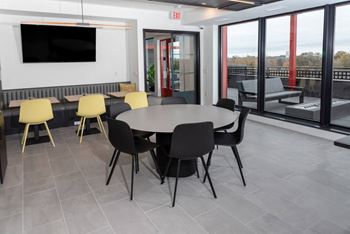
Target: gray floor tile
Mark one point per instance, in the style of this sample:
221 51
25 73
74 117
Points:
13 177
71 185
174 221
326 227
41 208
38 181
270 224
11 225
83 214
58 227
218 221
125 217
63 165
237 206
10 201
103 231
296 216
37 163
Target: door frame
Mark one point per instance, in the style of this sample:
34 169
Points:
198 58
168 80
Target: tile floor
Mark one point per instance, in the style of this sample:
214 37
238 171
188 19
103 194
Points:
296 184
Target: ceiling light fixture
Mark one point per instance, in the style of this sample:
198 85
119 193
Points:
82 23
243 1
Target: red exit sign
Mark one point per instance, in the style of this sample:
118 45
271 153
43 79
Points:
175 15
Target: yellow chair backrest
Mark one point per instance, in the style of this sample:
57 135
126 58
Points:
91 105
136 100
35 111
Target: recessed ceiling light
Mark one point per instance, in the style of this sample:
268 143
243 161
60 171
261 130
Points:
244 1
179 6
276 8
204 3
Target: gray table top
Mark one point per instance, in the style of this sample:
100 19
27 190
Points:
163 119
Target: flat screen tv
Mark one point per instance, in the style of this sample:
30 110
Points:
51 44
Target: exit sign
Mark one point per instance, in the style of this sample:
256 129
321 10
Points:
175 15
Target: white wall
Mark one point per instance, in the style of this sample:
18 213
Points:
142 19
110 65
210 70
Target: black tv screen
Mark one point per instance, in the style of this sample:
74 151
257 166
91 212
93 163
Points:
45 44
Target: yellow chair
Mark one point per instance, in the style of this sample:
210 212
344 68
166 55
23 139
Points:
91 106
35 112
136 100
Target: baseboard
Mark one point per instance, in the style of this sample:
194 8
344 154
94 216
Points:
324 134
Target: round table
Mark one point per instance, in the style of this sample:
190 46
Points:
162 119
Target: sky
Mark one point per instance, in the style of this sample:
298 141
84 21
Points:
309 35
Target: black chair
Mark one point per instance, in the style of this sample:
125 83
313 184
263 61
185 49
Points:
190 142
232 139
124 141
228 104
173 101
115 110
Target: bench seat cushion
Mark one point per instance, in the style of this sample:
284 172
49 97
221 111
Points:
283 94
276 96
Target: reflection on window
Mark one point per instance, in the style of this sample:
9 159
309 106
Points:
240 58
341 72
294 65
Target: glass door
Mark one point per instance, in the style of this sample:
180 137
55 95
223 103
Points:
184 66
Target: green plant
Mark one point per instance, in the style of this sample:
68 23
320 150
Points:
151 75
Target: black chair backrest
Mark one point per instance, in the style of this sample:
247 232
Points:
241 124
118 108
192 140
173 101
226 103
121 136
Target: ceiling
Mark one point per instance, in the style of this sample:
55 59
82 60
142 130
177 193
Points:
220 4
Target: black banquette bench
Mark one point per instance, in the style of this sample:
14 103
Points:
64 112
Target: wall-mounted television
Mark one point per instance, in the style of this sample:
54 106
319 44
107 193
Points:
55 44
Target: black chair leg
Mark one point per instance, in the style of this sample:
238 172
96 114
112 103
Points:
137 166
114 164
177 176
156 165
132 176
239 165
113 156
208 164
238 158
197 168
166 170
209 179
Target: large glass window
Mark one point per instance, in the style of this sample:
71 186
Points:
294 65
239 63
340 114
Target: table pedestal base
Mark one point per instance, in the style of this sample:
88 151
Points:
88 129
37 140
188 167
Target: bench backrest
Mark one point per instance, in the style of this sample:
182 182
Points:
272 85
59 91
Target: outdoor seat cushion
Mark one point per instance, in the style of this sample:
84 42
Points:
280 95
276 96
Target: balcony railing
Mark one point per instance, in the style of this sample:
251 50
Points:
341 74
307 77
